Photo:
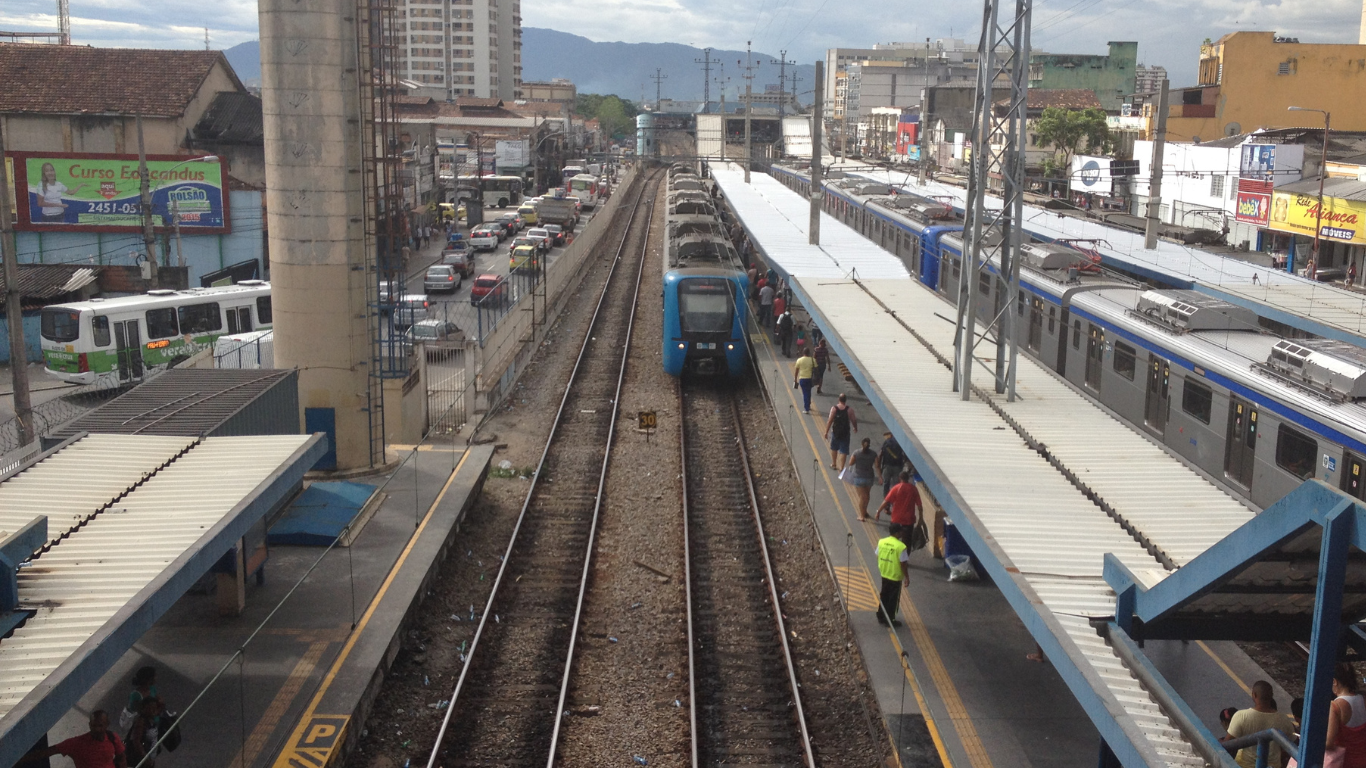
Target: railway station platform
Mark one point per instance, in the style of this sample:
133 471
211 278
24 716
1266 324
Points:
314 637
1029 516
1314 307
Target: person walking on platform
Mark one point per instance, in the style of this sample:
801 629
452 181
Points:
801 377
97 748
904 501
837 427
753 274
890 461
1261 716
892 560
765 305
822 355
1346 717
861 475
785 332
779 307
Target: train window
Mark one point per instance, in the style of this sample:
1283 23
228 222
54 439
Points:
1296 453
1020 303
1126 360
99 324
984 283
263 310
1197 400
161 323
1076 334
1052 320
201 318
957 268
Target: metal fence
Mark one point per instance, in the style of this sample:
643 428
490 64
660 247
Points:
449 383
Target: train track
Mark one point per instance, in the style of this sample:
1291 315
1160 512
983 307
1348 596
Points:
505 709
745 703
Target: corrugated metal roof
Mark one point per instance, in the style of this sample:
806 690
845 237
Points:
91 578
777 219
1054 536
79 480
40 282
1339 187
180 401
232 118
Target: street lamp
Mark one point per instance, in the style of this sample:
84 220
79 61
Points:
1323 174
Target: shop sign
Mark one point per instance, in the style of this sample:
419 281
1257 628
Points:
1253 208
1297 213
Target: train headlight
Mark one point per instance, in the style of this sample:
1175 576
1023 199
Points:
682 345
730 347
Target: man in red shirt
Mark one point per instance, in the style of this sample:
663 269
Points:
904 500
100 748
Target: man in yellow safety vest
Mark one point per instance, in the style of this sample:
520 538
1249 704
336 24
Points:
892 559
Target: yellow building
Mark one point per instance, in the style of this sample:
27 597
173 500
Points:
1247 79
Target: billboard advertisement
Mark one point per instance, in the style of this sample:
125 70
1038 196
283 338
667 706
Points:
1341 220
1258 162
1253 208
1091 175
102 193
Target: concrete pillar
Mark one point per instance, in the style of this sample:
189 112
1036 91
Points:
310 100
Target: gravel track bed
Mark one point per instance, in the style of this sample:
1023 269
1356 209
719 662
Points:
622 693
842 713
404 719
507 709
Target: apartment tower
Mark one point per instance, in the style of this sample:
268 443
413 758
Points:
462 48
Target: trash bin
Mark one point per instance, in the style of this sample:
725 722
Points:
955 545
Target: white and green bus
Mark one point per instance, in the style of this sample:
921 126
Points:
118 341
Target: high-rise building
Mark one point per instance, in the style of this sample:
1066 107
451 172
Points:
454 48
889 69
1149 79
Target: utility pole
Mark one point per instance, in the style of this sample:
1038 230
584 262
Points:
749 104
782 63
64 21
795 100
706 61
175 224
206 39
721 82
149 238
813 230
1155 173
659 79
14 312
924 116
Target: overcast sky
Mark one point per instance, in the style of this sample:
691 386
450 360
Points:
1169 32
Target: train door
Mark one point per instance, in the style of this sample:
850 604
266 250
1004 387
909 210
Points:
1352 470
1095 356
1035 323
1156 404
1241 446
239 319
128 342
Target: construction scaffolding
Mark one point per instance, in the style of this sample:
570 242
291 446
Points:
994 235
386 225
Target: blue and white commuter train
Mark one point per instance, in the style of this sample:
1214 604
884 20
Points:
704 285
1257 411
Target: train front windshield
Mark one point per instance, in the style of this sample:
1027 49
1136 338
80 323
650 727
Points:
705 305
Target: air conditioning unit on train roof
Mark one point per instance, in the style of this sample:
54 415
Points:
1333 366
868 189
920 208
1185 311
1048 256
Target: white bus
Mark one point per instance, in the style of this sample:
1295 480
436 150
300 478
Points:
111 342
499 191
585 188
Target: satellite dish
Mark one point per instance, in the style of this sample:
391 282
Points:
1232 129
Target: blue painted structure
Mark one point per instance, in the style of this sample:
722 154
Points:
203 253
319 515
699 351
14 550
33 341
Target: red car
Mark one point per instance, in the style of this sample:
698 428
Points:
489 285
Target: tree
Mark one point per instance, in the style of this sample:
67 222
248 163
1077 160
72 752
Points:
616 115
1068 131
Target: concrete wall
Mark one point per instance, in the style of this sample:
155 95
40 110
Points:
203 253
1253 93
310 98
32 342
1111 77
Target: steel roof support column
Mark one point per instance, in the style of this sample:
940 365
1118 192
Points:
1338 531
997 146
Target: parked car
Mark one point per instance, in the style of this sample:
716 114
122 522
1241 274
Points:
510 223
435 335
524 258
410 309
386 292
557 233
541 237
486 237
462 260
489 285
441 277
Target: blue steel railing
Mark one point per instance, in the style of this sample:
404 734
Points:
1262 740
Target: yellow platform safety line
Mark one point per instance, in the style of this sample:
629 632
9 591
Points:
1227 670
943 682
316 736
857 588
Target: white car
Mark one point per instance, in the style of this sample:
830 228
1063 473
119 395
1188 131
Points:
484 239
541 237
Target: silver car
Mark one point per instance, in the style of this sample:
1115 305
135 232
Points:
541 237
442 277
410 309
